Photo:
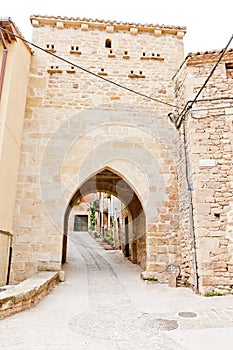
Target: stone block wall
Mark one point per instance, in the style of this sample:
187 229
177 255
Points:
77 124
209 146
27 294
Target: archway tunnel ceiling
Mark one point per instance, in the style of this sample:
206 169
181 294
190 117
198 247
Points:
110 182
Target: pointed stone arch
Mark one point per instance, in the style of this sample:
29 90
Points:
136 144
110 181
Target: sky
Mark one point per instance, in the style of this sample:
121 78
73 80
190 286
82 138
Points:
209 23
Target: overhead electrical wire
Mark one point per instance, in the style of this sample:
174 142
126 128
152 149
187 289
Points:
178 120
212 71
208 109
226 98
90 72
222 99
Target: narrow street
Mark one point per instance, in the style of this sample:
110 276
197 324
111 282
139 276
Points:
103 304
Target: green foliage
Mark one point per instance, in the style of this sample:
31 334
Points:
111 240
107 195
186 283
213 294
97 234
92 216
152 279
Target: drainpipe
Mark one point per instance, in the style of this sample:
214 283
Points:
9 262
2 74
191 219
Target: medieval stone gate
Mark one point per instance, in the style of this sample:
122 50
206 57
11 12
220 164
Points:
84 133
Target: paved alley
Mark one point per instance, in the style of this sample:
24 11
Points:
103 304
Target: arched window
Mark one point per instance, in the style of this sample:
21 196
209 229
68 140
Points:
108 43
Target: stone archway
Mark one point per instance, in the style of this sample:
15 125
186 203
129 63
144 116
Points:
106 180
133 144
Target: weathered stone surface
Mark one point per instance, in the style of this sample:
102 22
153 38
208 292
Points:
209 147
78 126
71 130
27 294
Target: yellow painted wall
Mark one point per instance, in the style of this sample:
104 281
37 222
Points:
12 106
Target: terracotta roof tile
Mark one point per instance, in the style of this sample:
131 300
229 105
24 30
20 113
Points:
212 52
206 57
106 22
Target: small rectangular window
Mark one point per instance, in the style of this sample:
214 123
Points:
108 43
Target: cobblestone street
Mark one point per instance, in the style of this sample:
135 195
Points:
103 304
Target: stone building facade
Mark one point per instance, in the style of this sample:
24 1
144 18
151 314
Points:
83 134
86 131
209 141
